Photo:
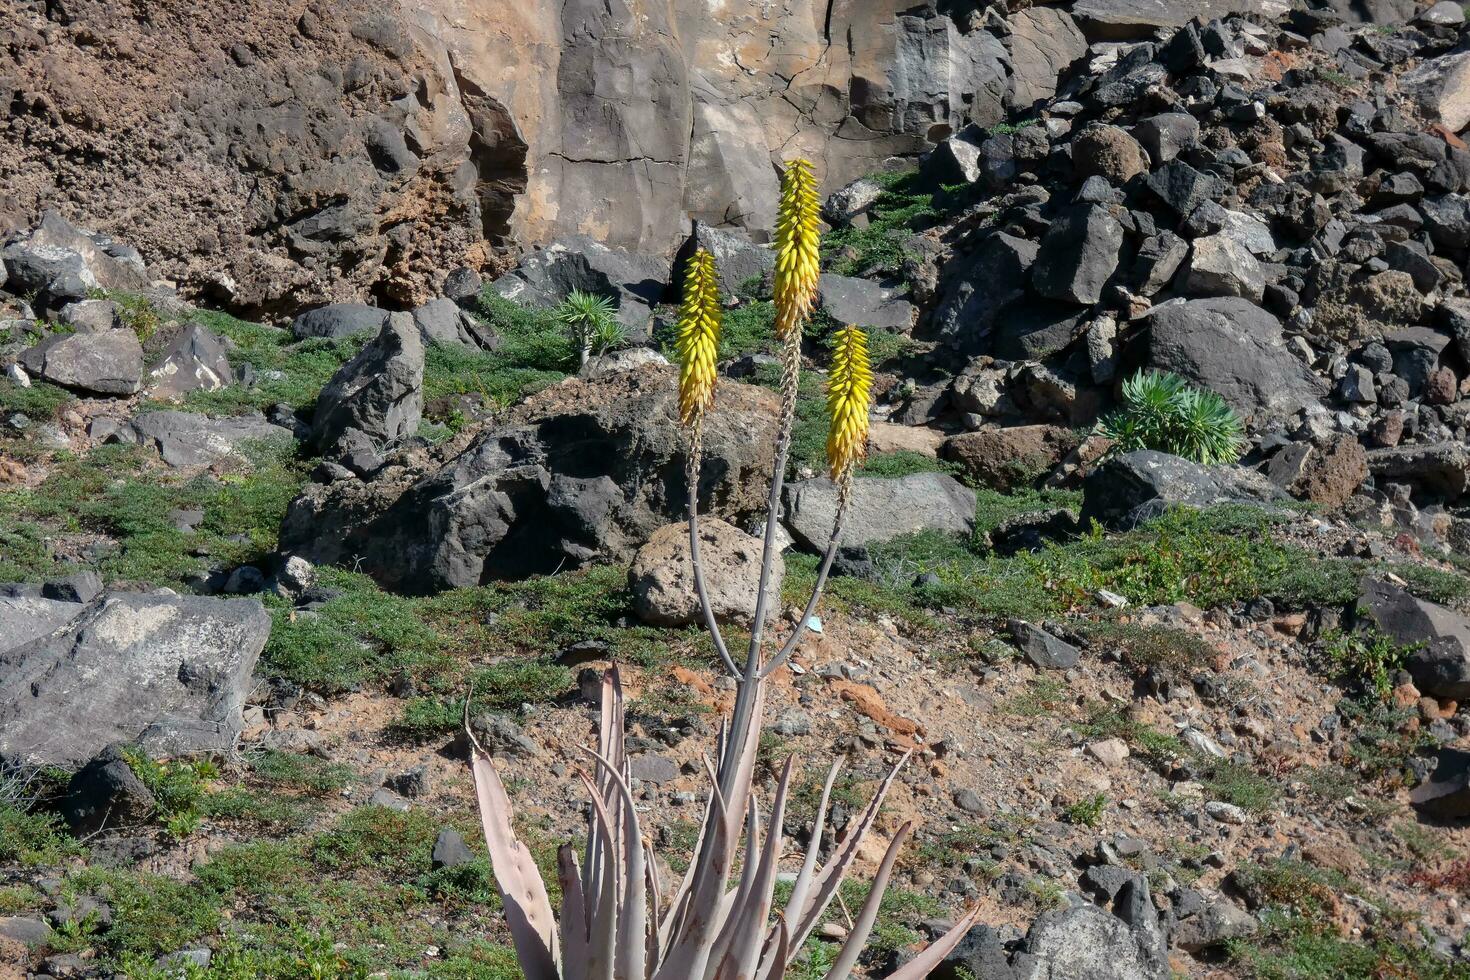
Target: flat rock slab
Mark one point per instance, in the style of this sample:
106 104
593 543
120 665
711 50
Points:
1440 637
881 509
187 439
167 671
1137 486
109 363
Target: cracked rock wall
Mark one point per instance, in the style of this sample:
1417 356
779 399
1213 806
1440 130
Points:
272 155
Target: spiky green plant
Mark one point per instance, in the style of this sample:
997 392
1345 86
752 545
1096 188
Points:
617 921
1161 411
591 321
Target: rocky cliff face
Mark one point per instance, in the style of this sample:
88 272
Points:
277 155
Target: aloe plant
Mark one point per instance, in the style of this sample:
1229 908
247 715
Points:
617 920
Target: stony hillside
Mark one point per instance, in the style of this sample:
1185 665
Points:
1157 564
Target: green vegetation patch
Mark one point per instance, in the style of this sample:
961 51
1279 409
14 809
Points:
121 493
1300 939
365 635
359 896
878 249
286 370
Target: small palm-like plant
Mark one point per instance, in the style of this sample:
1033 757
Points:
591 321
1161 411
618 921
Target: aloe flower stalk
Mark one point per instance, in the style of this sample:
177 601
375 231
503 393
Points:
698 337
617 920
849 388
798 242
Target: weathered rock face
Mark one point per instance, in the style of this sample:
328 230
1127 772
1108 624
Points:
1235 348
586 469
881 509
170 672
347 151
268 155
1140 485
662 576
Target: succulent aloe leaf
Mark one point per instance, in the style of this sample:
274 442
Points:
814 846
922 965
523 893
863 926
832 873
573 920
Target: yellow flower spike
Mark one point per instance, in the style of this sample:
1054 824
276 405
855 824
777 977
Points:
798 240
698 340
849 390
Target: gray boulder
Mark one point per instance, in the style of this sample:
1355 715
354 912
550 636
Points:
864 303
977 288
443 322
661 578
195 360
1167 135
881 509
846 203
1234 348
112 264
737 258
106 793
1078 254
379 392
167 671
1440 637
1446 793
338 320
1438 468
586 469
544 278
108 363
1134 487
1043 42
1220 265
189 439
90 315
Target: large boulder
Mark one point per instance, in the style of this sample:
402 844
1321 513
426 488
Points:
881 509
738 260
864 303
1007 459
976 289
1438 638
196 359
1438 468
109 363
379 392
586 469
634 281
1234 348
1441 88
1078 254
338 320
1133 487
1043 42
169 672
59 262
190 439
662 576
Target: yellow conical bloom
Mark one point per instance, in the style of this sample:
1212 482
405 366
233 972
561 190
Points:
849 387
798 262
698 340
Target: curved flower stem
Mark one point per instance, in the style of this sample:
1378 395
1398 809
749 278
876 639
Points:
750 677
696 448
789 647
